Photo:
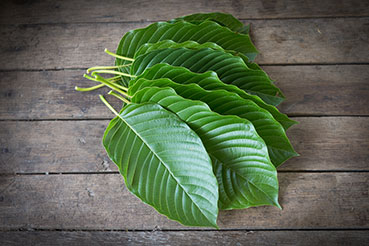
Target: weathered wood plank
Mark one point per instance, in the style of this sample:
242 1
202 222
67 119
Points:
279 41
323 90
329 143
53 146
310 90
101 201
22 12
50 95
195 238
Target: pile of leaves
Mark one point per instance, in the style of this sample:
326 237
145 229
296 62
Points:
198 130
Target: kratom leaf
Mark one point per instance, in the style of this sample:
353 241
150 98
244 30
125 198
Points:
245 175
228 103
221 18
210 81
230 69
146 48
164 163
207 31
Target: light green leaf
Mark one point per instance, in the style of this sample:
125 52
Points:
164 163
210 81
230 69
245 175
228 103
221 18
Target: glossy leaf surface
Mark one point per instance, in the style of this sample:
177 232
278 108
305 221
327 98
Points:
164 163
207 31
230 69
221 18
245 175
228 103
146 48
210 81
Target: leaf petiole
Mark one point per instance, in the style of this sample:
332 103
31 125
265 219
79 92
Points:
119 97
108 105
107 67
112 80
109 84
89 88
113 72
118 56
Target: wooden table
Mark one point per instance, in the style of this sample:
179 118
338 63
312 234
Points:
57 185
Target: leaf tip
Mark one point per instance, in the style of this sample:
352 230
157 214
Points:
278 205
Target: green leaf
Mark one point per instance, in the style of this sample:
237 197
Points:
210 81
146 48
181 31
245 175
228 103
164 163
229 68
221 18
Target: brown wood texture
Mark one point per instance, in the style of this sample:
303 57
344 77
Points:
101 201
307 41
309 90
178 238
20 12
329 143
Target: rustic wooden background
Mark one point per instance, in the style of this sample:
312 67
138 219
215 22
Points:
57 185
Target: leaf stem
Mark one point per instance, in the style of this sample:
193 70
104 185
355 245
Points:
89 88
101 85
113 72
107 67
119 97
108 84
118 56
108 105
115 78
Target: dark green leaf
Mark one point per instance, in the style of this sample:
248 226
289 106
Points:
229 68
210 81
221 18
245 175
228 103
164 163
146 48
206 31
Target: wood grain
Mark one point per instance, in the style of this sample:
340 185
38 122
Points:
323 90
310 90
21 12
306 41
101 201
178 238
329 143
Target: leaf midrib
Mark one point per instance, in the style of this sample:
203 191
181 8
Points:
163 163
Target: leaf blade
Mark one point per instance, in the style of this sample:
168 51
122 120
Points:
230 69
233 145
210 81
227 103
153 156
221 18
206 31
